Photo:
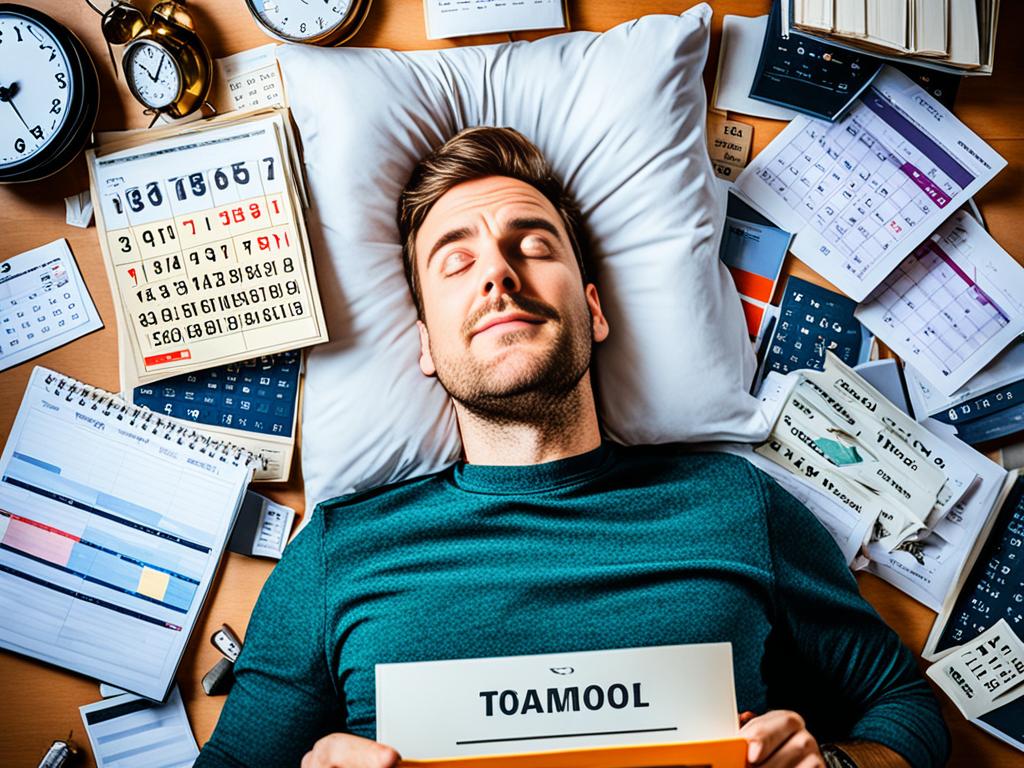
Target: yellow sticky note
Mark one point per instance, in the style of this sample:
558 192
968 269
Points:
153 583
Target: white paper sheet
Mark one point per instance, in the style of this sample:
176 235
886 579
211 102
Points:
951 306
863 192
78 210
456 18
129 731
1006 369
928 569
249 79
44 303
738 55
468 707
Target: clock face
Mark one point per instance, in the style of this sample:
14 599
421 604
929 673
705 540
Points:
300 20
153 74
35 88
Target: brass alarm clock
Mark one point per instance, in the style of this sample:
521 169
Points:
165 63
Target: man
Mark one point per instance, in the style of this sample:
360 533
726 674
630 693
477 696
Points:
546 538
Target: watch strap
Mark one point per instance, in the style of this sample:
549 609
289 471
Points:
836 757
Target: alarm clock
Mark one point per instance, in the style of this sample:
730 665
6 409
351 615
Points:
49 95
330 22
165 63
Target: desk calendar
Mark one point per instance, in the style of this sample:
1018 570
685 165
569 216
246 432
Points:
863 192
951 306
44 303
205 248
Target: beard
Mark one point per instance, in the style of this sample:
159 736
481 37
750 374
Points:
539 391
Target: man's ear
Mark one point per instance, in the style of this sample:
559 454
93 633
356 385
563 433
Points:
426 360
599 323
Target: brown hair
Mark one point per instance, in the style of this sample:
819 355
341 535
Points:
477 153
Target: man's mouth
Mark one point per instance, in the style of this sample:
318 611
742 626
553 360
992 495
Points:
508 322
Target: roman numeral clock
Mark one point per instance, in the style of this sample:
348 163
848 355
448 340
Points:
49 94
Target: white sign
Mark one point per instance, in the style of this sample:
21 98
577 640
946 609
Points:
461 708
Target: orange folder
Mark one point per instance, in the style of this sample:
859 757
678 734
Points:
725 753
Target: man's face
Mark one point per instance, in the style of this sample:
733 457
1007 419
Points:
507 322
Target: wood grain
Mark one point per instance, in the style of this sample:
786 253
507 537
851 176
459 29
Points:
39 703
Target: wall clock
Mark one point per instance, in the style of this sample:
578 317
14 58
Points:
49 94
316 22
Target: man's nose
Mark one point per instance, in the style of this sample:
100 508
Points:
498 275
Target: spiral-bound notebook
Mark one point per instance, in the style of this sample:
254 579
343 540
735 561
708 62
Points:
112 523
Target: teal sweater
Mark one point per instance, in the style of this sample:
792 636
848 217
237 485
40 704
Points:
616 548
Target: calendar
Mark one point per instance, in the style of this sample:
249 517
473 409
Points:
44 303
951 306
205 248
862 193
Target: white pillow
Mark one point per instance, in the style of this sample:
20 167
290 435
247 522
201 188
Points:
620 116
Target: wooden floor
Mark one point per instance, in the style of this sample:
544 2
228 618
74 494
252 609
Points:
38 703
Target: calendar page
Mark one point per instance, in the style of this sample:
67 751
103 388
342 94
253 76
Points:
863 192
951 306
206 249
44 303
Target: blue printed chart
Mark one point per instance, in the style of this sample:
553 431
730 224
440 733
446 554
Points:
110 533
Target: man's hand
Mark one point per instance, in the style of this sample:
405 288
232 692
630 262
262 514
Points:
343 750
779 739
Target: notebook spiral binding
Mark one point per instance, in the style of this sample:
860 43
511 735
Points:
151 421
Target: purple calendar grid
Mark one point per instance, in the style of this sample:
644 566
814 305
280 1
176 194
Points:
865 182
938 309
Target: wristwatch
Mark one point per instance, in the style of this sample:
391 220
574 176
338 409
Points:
836 757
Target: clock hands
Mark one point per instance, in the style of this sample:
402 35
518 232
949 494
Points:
158 68
7 95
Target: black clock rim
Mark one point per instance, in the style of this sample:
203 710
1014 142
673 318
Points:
83 104
335 35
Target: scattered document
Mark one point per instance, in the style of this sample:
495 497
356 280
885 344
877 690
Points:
754 251
456 18
951 306
838 434
738 54
112 525
78 210
44 303
128 731
862 193
927 569
615 698
248 80
984 674
1004 371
